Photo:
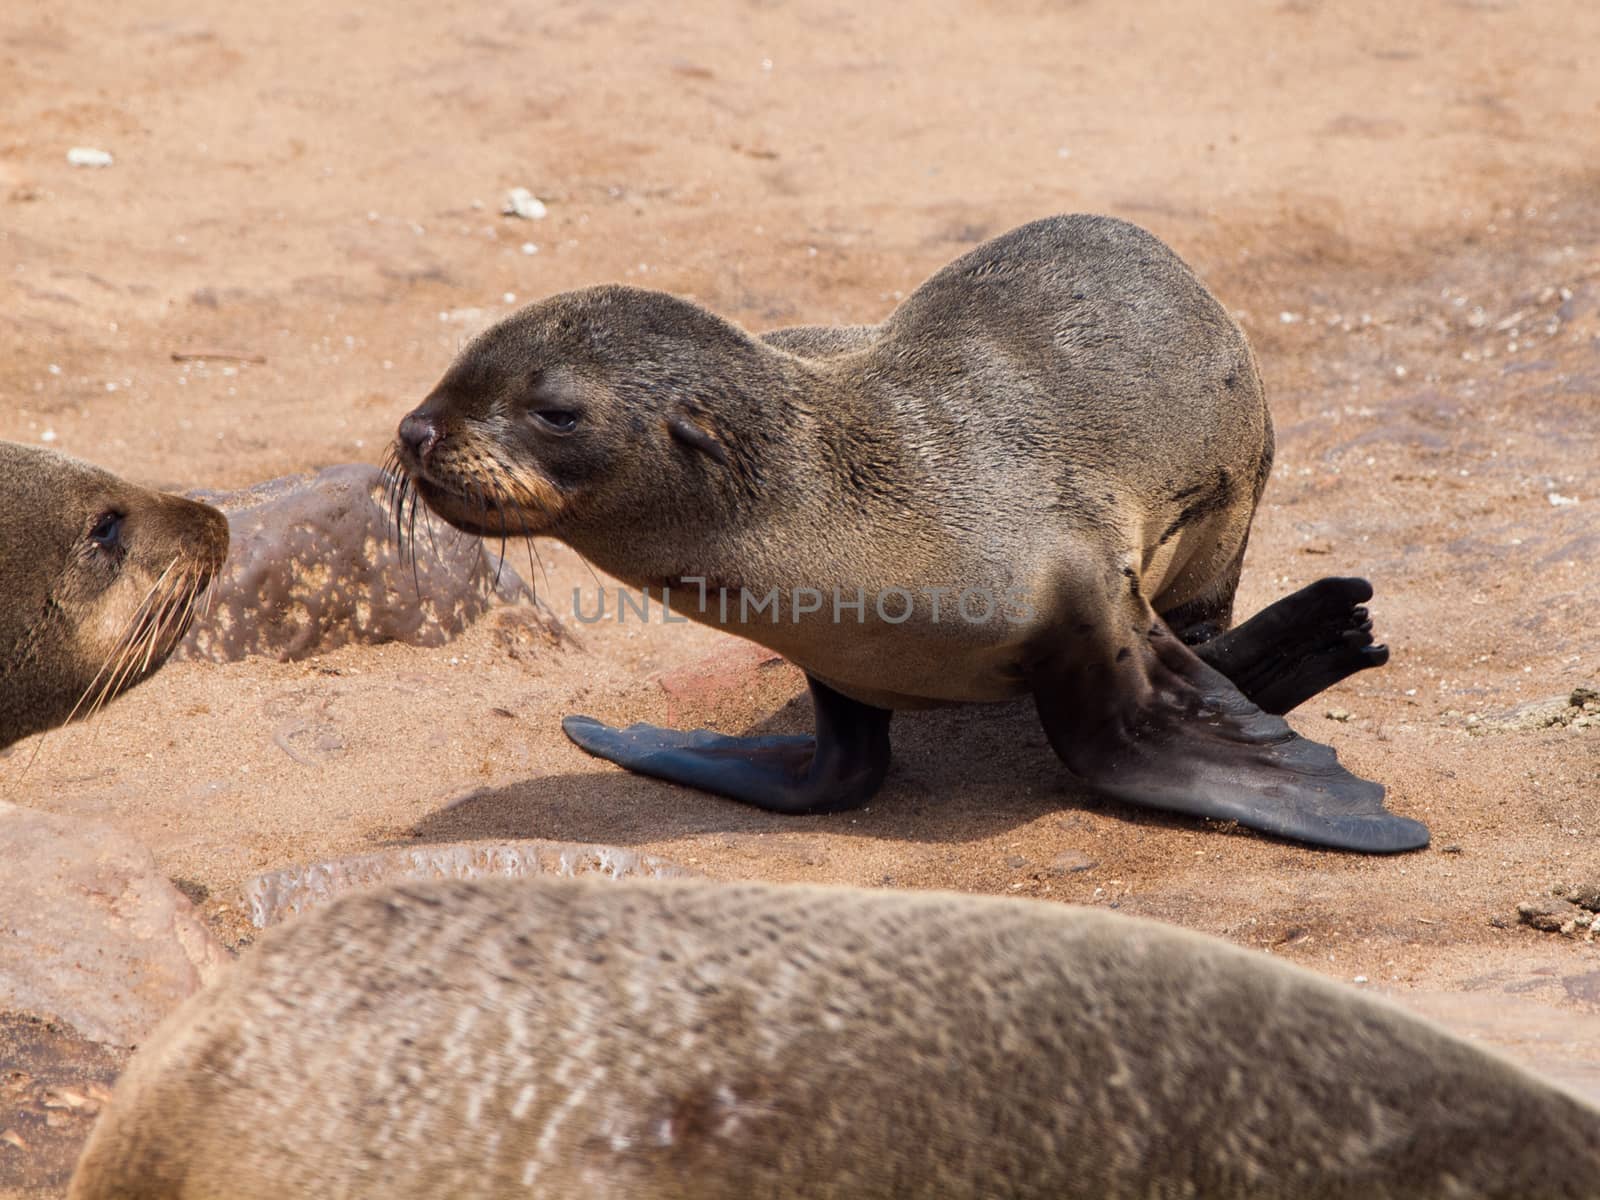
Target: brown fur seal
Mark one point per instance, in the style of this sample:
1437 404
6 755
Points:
101 580
610 1039
1060 438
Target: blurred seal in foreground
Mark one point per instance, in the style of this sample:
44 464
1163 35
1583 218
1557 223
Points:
617 1039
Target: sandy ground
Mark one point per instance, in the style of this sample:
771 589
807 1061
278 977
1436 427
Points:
1399 202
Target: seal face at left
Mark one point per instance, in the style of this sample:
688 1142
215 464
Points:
101 580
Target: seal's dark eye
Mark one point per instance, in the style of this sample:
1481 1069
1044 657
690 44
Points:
561 420
107 530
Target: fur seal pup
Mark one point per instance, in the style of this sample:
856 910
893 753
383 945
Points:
1037 476
614 1039
101 579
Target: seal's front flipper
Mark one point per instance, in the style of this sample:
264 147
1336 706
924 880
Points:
1300 645
839 769
1150 724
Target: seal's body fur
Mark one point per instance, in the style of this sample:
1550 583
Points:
1066 397
643 1041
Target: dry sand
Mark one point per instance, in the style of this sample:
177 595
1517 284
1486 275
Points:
1399 201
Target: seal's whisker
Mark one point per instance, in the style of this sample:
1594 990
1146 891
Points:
176 613
145 628
598 585
427 523
394 489
128 655
209 594
408 495
159 618
397 510
398 489
411 533
527 541
499 566
125 641
482 497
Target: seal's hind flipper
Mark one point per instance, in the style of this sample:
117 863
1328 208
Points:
1150 724
839 769
1296 647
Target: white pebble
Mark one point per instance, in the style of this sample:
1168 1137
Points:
49 435
88 156
520 202
1557 500
529 248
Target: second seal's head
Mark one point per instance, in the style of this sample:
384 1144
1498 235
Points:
563 415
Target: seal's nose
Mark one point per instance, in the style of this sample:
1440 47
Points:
420 433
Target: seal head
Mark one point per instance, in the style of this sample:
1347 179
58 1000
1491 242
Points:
554 420
102 579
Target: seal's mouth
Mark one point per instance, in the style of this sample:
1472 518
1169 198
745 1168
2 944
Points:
499 501
478 515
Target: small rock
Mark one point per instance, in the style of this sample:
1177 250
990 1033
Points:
1585 895
314 563
95 936
1069 862
52 1086
196 892
520 202
1016 862
1338 714
1549 915
88 156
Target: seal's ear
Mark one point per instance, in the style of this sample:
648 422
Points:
695 437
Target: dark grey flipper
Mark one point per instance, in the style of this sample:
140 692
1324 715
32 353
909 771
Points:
841 768
1298 646
1153 725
